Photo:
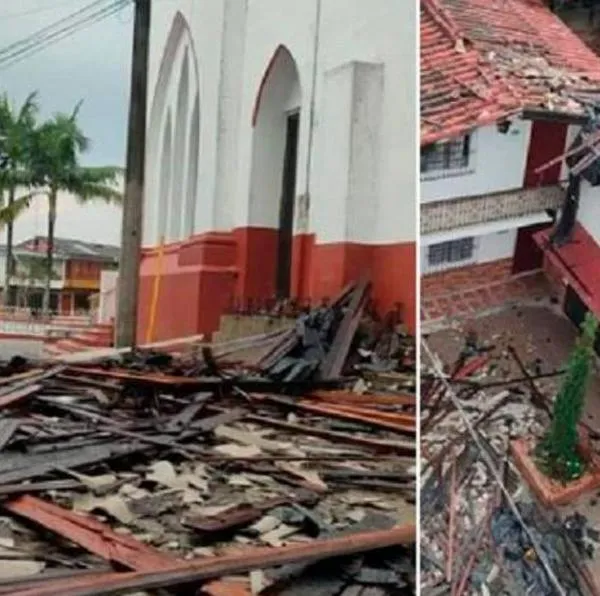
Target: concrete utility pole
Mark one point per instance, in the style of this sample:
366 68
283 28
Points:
131 234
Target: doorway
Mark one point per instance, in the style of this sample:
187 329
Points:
528 255
283 271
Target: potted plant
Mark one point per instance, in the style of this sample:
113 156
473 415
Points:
558 454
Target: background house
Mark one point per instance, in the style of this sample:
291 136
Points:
77 267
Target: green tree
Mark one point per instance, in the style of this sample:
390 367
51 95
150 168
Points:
16 130
55 160
558 451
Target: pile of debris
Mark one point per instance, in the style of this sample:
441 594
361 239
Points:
150 471
472 539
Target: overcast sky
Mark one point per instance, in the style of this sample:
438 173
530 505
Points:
92 65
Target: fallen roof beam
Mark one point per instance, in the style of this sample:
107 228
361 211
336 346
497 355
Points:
331 367
92 535
258 558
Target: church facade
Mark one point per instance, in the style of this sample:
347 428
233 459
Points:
281 156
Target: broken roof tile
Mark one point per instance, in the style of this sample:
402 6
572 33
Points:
485 60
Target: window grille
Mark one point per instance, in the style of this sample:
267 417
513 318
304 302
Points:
452 251
452 155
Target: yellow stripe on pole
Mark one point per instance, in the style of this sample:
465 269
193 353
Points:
155 292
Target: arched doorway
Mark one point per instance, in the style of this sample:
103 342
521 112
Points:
276 123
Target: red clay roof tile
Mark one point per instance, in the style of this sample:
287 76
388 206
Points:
484 60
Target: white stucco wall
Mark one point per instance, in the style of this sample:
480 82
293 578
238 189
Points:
194 29
107 306
488 247
589 210
589 200
571 134
493 241
497 164
359 183
499 245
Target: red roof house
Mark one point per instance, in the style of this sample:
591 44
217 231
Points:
485 60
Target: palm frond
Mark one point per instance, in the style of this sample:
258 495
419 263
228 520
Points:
16 128
18 207
18 177
89 184
29 110
91 191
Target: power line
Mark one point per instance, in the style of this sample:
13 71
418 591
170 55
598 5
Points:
45 37
48 28
26 13
497 476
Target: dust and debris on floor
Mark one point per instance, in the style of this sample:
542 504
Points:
486 381
147 472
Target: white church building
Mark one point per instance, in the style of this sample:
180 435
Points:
281 155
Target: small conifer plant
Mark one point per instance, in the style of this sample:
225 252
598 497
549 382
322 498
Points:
558 454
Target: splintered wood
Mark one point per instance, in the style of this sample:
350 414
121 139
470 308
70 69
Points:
148 470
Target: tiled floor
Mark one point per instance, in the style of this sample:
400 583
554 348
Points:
476 299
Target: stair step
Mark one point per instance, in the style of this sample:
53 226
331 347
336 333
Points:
66 345
92 338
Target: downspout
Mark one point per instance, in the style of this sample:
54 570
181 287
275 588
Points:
305 199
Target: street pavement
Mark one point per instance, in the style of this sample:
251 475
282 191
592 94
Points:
19 347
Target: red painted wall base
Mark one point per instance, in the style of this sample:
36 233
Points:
197 283
201 277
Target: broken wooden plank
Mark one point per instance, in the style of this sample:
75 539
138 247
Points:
348 397
406 427
332 365
8 427
258 558
92 535
10 399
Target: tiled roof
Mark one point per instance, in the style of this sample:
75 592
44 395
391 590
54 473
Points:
483 60
65 248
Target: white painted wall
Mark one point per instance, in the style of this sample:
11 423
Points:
496 246
571 134
488 247
589 210
233 42
180 28
497 164
108 296
589 205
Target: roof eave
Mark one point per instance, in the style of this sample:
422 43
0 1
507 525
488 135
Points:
571 118
447 134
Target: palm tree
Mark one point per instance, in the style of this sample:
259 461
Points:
16 129
58 144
